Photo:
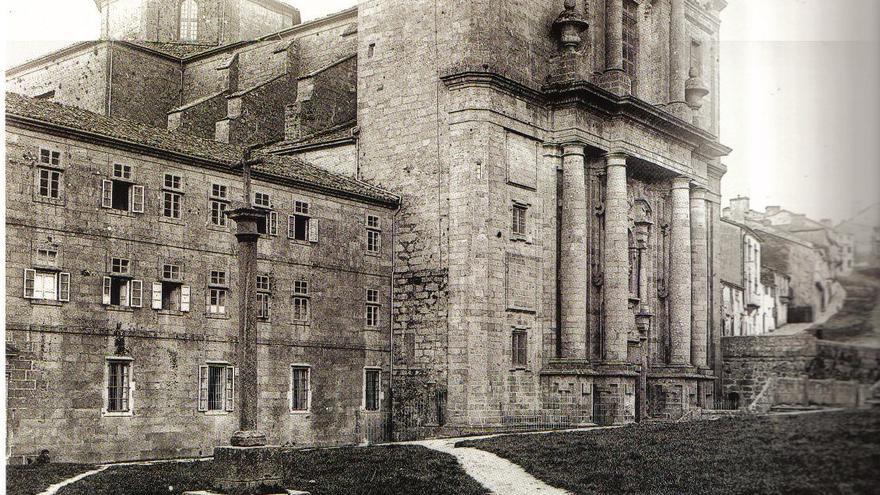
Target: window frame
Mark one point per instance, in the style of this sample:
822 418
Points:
61 282
218 200
371 305
365 389
227 386
188 21
264 297
129 387
519 355
50 151
301 297
308 391
58 181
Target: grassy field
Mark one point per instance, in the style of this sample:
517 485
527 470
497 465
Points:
33 479
823 453
371 470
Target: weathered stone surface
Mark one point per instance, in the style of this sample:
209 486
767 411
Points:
248 470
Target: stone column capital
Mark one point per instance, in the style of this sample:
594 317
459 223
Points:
615 159
698 192
570 148
681 182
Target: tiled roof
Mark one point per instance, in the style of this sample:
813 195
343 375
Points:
288 168
329 135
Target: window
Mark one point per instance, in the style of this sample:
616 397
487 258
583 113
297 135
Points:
47 257
268 225
372 308
374 234
118 386
262 200
120 193
171 196
519 220
300 301
50 157
46 285
630 37
300 226
216 387
372 389
119 287
217 293
50 183
300 392
170 294
519 348
264 295
189 20
219 204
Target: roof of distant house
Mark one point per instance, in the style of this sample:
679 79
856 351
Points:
84 124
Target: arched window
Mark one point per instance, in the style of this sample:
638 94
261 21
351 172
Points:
189 20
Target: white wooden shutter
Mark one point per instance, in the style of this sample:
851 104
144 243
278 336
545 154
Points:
230 388
313 230
106 292
157 295
273 223
137 293
203 388
137 199
64 286
106 193
29 276
291 226
184 298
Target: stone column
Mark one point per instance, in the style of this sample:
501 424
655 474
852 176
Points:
614 35
679 47
680 274
699 279
246 234
573 253
617 317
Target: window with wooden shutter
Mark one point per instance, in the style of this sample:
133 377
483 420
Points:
313 230
137 293
184 298
106 193
64 287
137 199
203 387
29 276
230 388
291 227
273 223
157 295
107 291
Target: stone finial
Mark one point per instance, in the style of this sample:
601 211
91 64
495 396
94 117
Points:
695 89
569 26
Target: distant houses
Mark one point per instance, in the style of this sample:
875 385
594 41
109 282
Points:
779 267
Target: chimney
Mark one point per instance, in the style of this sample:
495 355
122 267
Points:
772 210
738 208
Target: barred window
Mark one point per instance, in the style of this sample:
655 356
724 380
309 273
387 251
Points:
372 388
630 37
118 386
519 220
519 348
189 20
300 392
216 387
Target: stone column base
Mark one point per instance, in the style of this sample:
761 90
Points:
681 110
248 470
616 81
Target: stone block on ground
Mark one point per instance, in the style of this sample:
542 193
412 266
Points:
248 470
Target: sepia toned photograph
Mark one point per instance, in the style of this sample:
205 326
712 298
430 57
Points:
441 247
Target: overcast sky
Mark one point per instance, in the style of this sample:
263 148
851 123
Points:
800 104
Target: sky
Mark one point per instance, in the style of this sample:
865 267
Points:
800 104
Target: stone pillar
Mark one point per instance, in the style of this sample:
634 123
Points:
246 234
699 279
614 35
573 253
617 317
678 52
680 274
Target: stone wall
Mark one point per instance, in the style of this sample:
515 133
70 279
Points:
144 87
324 99
56 383
749 362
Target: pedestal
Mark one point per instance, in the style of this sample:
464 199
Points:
248 470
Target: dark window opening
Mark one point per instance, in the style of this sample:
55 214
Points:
119 291
171 295
301 227
121 195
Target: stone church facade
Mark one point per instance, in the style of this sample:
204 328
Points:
552 253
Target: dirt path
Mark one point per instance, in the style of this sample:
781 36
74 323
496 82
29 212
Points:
496 474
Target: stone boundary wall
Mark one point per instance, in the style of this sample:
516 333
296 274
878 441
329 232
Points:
806 370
